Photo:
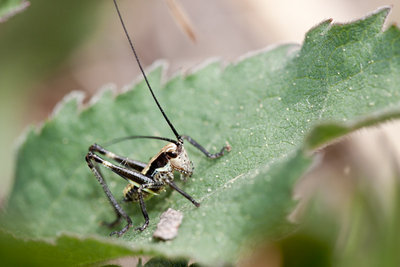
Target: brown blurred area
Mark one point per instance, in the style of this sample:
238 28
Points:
224 29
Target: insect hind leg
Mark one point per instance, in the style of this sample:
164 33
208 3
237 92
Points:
134 164
118 209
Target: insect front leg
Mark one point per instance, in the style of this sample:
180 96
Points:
205 152
91 159
183 193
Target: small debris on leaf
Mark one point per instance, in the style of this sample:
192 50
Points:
167 228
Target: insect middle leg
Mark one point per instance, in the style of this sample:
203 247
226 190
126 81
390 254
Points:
158 185
139 192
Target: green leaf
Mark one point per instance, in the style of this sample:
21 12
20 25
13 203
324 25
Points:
325 132
62 251
9 8
263 105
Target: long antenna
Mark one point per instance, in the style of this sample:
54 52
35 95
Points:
144 75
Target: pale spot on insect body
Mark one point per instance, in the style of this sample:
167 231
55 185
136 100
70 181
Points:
110 154
107 164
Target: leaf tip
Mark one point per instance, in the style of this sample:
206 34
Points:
157 70
378 16
74 100
103 92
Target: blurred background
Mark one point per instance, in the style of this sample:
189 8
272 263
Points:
54 47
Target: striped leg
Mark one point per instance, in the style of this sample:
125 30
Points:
118 209
134 164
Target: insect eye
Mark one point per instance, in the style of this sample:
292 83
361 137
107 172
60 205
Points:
172 154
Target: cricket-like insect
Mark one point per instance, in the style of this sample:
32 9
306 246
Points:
144 179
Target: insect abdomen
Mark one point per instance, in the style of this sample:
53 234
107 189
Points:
131 193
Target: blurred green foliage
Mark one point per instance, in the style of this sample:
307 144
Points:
32 46
368 237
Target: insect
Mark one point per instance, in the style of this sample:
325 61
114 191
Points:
145 180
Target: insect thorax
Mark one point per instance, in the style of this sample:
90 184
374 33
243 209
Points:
160 169
172 157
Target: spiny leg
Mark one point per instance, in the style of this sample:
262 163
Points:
134 164
202 149
117 214
120 212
